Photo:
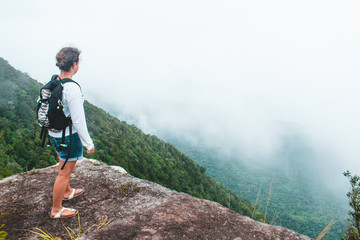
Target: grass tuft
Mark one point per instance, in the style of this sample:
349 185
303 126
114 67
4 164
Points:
326 229
102 223
271 188
256 203
78 233
44 234
73 234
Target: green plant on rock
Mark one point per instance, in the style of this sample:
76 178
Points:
3 234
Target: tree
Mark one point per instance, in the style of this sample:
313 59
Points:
353 230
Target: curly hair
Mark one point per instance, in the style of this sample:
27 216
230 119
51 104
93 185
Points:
66 57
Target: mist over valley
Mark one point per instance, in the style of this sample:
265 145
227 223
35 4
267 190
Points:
252 91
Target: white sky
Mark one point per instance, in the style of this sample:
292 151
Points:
228 71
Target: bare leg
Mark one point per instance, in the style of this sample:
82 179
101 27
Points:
68 189
60 186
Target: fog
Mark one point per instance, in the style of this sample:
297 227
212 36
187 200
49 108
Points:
237 75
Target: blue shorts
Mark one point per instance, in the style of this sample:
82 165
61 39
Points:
76 152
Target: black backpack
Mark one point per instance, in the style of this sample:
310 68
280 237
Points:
50 113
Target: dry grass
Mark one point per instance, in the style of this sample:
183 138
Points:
73 234
102 223
326 229
272 220
256 203
271 188
43 234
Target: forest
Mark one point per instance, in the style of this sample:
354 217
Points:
116 142
297 200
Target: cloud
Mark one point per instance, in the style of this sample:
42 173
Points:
226 73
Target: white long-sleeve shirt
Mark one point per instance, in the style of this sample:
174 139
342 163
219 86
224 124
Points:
73 102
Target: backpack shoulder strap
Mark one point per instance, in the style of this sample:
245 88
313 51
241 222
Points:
66 80
52 84
55 77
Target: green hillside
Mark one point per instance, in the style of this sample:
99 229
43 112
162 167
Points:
297 200
116 142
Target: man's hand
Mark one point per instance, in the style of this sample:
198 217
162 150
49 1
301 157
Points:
91 150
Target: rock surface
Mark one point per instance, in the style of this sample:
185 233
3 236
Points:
138 209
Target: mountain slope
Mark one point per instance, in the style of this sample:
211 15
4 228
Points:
298 201
116 143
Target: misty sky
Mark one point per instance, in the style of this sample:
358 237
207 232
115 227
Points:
229 73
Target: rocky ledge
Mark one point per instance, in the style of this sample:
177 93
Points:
116 205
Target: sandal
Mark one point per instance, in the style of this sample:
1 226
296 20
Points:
59 213
74 194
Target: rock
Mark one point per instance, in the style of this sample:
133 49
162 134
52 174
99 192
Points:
132 207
